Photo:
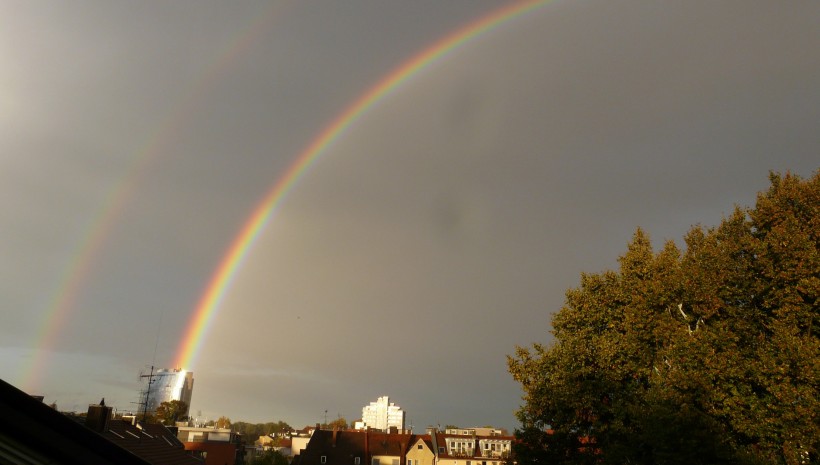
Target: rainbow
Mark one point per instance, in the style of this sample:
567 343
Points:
227 269
76 273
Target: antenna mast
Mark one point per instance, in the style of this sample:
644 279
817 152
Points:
147 393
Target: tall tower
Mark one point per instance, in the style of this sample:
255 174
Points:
167 384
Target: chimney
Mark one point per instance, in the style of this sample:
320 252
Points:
98 417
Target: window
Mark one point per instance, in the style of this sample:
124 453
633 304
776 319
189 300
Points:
440 450
324 459
409 462
420 447
357 460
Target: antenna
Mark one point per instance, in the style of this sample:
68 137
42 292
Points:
156 344
147 393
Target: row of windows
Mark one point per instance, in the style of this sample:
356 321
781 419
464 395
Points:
357 461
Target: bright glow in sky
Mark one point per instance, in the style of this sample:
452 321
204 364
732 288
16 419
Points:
438 232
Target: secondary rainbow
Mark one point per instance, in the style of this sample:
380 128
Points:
77 271
231 262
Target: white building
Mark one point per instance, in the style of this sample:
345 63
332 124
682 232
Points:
382 415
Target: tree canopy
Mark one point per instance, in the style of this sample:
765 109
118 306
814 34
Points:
223 422
270 457
168 413
251 431
707 355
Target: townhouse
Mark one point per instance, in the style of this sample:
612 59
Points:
368 447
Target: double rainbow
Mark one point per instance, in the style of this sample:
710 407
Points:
231 262
76 273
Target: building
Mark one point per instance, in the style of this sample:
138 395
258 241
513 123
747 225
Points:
153 442
213 445
421 452
382 415
362 447
167 384
369 447
471 448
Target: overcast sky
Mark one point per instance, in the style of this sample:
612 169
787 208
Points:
439 232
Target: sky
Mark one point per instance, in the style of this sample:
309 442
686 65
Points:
435 234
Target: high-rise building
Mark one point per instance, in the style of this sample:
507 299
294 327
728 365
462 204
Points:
382 415
167 384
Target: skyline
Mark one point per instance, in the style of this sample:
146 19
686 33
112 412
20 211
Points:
459 206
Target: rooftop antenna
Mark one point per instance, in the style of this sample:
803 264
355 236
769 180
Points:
147 393
151 374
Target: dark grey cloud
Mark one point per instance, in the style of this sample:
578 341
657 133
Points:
437 233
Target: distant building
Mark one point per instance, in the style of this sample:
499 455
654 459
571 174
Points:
167 384
469 449
382 415
216 446
367 447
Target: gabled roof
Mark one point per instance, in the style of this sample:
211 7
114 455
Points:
31 432
424 438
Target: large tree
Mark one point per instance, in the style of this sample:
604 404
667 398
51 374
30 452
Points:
707 355
172 411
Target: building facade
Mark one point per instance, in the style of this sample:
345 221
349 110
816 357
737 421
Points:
167 384
217 446
368 447
383 415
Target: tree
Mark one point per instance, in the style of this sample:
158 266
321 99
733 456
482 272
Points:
223 422
710 355
270 457
252 431
168 413
339 423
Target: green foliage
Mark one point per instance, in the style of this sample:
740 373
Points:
707 356
270 457
168 413
251 431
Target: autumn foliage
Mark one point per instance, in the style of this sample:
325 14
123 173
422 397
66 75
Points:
709 354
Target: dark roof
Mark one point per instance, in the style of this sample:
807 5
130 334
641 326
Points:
342 447
153 442
32 432
390 443
426 438
339 448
